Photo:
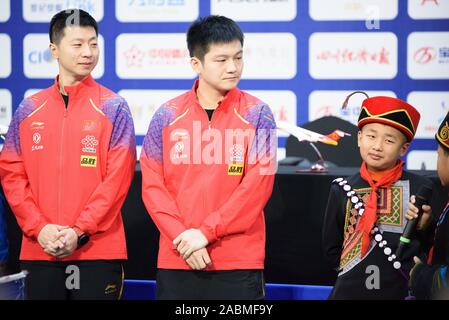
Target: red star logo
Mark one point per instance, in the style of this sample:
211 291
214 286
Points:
134 57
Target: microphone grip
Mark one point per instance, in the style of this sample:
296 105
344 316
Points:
421 198
410 227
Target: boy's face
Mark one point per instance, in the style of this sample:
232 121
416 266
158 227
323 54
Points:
443 166
381 146
77 52
222 66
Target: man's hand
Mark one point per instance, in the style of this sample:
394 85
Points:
189 241
70 239
412 213
199 259
49 240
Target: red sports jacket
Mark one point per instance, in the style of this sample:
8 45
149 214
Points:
213 175
70 166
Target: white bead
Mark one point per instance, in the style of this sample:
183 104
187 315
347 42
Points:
384 242
354 199
387 251
393 256
347 187
390 259
376 229
361 211
381 244
378 237
338 179
396 264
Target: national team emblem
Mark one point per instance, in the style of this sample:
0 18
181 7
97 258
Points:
36 138
179 150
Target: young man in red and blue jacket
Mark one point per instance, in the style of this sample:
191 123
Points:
66 166
208 165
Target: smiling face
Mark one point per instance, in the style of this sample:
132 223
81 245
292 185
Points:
381 146
77 52
221 67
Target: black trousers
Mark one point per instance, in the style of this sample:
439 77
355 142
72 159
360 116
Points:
73 280
210 285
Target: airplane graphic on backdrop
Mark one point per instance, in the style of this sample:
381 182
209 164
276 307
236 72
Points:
311 136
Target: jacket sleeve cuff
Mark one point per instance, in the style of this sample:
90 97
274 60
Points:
89 229
78 230
38 229
209 234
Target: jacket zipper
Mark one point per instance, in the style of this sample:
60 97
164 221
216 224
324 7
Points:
61 162
205 185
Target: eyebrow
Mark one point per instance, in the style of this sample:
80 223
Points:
225 55
79 39
389 135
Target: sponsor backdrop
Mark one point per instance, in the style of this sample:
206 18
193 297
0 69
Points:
301 57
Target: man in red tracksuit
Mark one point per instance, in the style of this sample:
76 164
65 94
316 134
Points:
208 165
66 166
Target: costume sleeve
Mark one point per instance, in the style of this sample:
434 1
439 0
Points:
158 201
333 228
14 177
248 200
105 203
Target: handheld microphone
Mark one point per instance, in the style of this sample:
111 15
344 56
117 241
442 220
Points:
422 197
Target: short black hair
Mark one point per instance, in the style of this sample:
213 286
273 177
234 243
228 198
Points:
210 30
68 18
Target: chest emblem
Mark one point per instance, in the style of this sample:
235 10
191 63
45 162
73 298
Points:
89 143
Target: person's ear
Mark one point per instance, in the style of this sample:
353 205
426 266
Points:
404 148
54 50
196 64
